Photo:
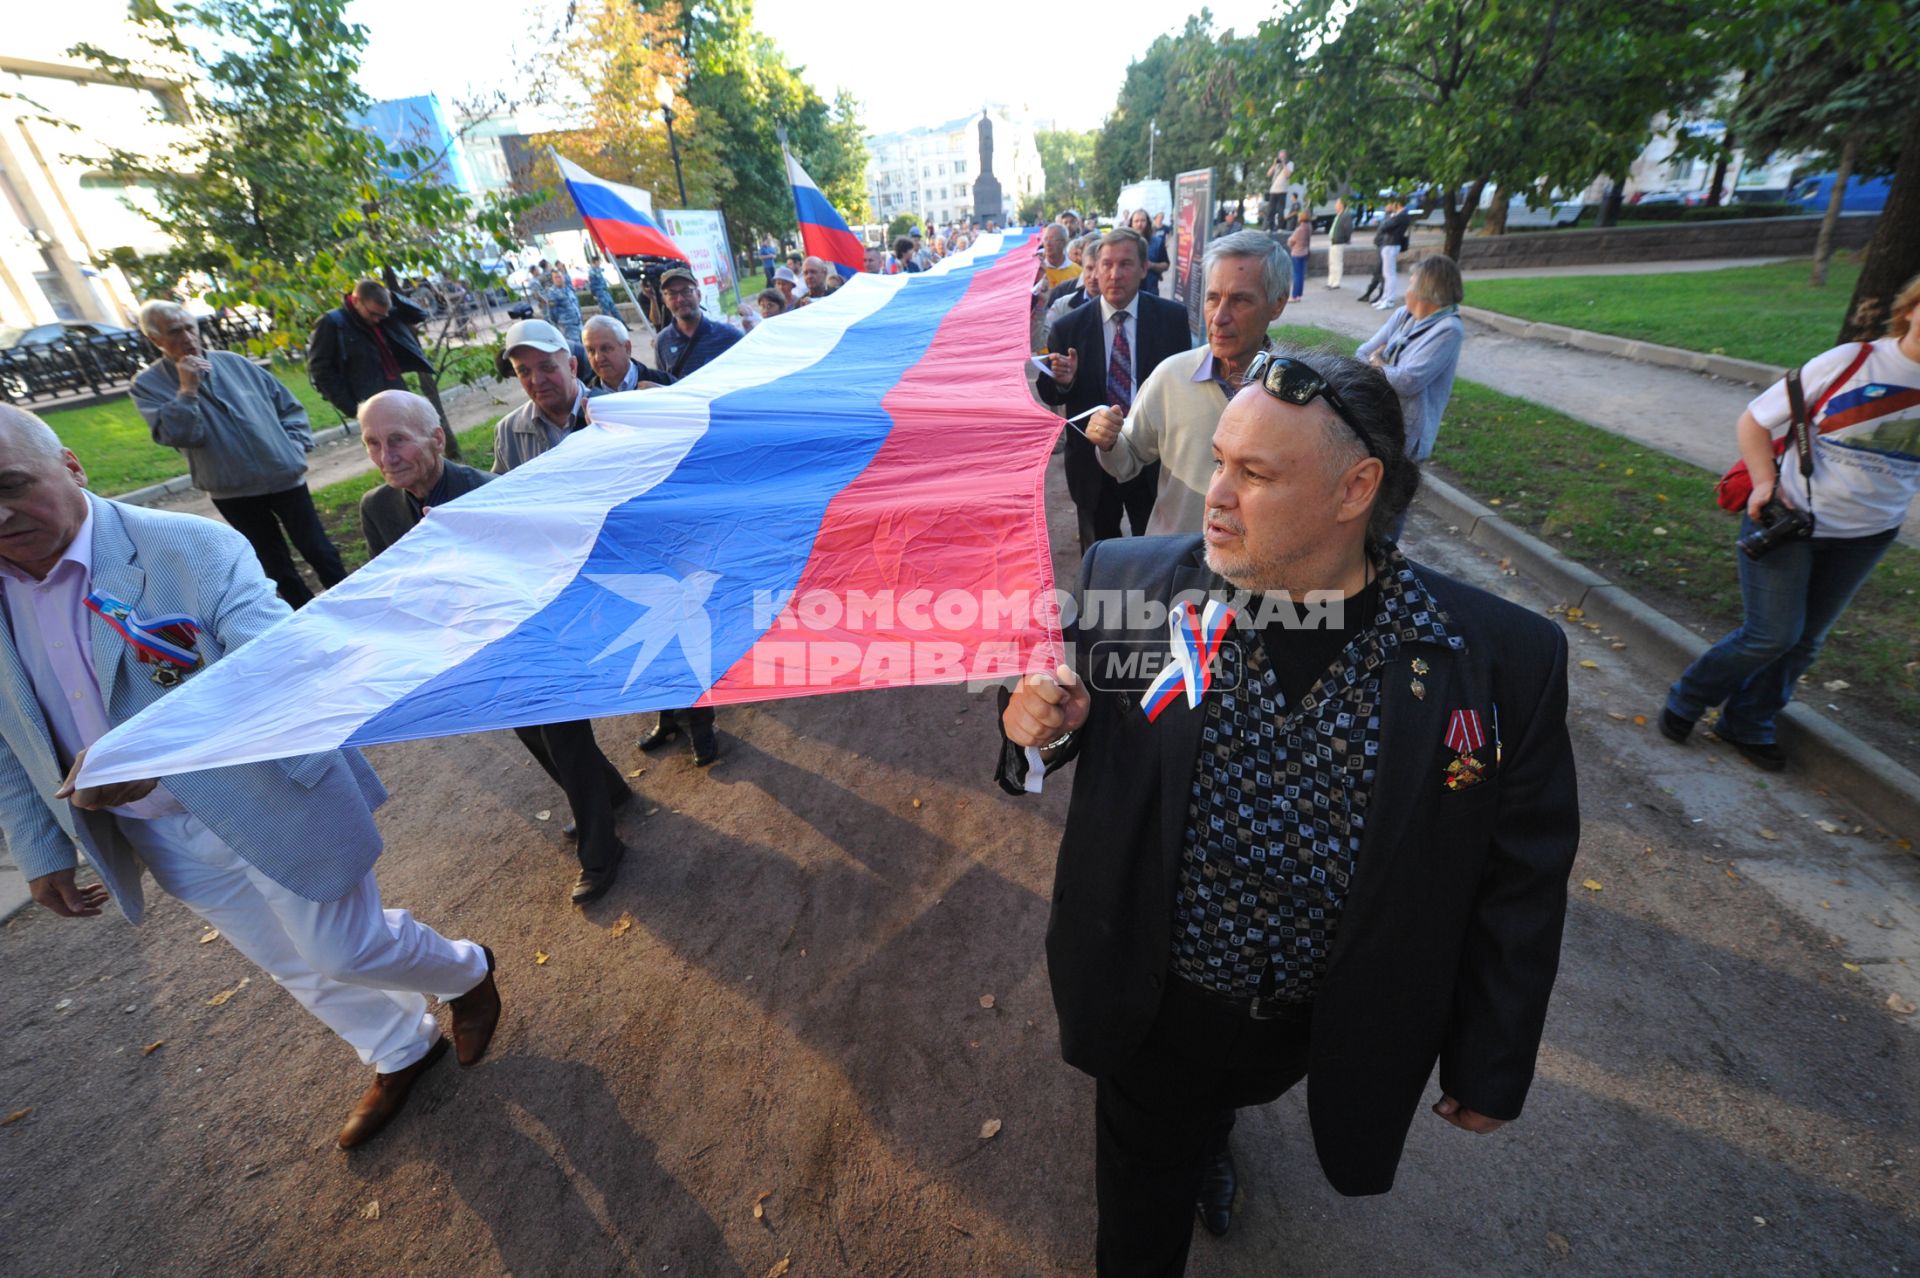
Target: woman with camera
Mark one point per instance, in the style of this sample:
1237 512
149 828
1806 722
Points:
1798 574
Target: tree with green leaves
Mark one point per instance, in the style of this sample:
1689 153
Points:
271 192
1454 94
1842 81
742 90
1168 116
1066 157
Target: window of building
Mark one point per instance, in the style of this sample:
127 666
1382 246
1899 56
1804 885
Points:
959 167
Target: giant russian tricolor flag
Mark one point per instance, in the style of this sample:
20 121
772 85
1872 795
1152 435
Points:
851 497
618 217
822 230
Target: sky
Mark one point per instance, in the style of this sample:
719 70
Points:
909 66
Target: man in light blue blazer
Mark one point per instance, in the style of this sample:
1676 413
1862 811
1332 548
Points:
106 608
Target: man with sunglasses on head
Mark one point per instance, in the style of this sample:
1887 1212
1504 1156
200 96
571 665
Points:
1341 856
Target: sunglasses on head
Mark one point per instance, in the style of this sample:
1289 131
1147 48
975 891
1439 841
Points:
1299 384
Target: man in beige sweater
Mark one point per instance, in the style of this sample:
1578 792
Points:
1178 406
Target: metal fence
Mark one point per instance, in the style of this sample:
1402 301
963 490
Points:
102 363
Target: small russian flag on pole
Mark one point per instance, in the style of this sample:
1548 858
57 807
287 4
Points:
616 216
822 230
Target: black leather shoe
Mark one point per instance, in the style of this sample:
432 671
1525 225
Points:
665 731
593 884
1674 728
1765 755
1218 1186
706 747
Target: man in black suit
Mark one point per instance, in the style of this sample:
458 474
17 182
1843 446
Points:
1341 856
1100 353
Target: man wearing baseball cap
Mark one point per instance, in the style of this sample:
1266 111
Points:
682 347
556 407
692 340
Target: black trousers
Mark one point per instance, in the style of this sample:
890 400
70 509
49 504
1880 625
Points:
1099 501
260 519
1276 205
1372 293
570 755
1159 1117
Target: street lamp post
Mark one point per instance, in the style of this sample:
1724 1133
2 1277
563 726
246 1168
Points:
664 95
1153 135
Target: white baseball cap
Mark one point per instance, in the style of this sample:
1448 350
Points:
538 334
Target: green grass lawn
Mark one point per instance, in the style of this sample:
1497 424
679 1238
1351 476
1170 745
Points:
112 441
339 504
1647 522
1765 313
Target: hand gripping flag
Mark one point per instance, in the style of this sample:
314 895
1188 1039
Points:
849 498
822 230
618 217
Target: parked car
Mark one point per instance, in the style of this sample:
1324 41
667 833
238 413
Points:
42 334
1863 195
67 356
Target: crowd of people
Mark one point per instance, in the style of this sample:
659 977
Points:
1214 939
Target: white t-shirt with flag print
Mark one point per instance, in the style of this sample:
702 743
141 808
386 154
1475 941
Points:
1866 461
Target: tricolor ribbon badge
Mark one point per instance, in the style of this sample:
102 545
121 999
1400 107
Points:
1464 733
160 639
1195 638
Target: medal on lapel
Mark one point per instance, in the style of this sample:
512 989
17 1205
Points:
1195 638
1464 736
165 643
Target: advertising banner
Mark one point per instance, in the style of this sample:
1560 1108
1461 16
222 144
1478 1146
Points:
702 236
1192 218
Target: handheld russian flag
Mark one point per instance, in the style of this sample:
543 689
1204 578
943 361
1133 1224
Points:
617 216
851 498
822 230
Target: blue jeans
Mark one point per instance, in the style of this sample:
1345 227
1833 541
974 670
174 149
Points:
1791 600
1299 277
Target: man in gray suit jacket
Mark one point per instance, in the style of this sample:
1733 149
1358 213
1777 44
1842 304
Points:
106 608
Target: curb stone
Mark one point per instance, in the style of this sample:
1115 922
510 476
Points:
154 494
1823 751
1747 371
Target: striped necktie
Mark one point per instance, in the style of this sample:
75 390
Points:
1120 366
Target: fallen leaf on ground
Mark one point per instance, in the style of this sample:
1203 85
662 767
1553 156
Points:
1558 1245
1826 905
1617 646
210 936
1591 885
990 1129
916 803
637 772
15 1116
780 1266
1900 1006
760 1205
1851 967
1732 875
1589 664
621 925
220 999
544 814
1639 721
371 1211
1767 834
540 958
1837 685
153 1047
1658 531
1828 826
1505 564
1574 614
1616 715
986 1000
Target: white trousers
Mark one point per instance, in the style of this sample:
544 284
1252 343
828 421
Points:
364 971
1336 264
1389 273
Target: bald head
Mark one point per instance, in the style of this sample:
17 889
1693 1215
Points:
403 437
43 500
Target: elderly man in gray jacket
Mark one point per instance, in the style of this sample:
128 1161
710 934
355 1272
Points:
246 440
105 609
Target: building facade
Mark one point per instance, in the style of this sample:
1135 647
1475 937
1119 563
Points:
930 172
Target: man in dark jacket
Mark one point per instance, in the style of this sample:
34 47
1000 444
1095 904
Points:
366 345
1323 862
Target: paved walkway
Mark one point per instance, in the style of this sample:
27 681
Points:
1686 415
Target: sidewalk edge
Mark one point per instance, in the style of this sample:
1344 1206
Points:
1747 371
1823 751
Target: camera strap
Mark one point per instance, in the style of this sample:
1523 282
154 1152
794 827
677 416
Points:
1800 425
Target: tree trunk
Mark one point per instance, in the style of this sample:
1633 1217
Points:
1610 206
1457 214
1497 212
1720 171
1823 246
1893 255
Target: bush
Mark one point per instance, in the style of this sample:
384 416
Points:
1704 213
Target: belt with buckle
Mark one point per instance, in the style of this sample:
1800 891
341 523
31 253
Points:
1260 1007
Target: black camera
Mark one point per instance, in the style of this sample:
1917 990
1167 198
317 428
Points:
1779 524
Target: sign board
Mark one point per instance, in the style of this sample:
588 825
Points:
702 236
1192 218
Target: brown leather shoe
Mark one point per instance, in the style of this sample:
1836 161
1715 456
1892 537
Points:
381 1103
475 1014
